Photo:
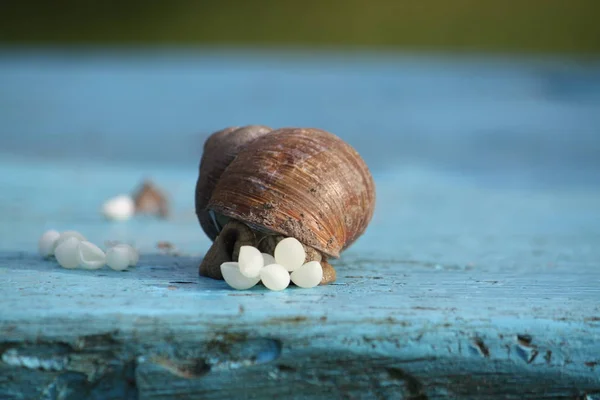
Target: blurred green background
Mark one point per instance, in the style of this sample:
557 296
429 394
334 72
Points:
541 26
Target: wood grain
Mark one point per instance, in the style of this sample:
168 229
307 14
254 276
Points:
387 328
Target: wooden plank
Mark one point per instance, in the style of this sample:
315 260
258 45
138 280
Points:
458 289
385 328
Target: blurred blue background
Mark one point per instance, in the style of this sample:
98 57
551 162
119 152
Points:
522 120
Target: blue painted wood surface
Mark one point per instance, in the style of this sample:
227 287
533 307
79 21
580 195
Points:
471 282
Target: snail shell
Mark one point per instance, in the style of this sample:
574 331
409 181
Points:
149 199
302 183
219 151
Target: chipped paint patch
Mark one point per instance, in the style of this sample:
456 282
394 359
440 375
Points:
15 358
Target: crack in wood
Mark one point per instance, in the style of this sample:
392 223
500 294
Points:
413 385
481 347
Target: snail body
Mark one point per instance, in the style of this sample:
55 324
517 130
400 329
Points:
293 182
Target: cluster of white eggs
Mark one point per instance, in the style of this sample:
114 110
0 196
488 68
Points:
72 250
275 271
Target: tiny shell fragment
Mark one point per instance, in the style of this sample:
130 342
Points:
250 261
149 199
118 257
309 275
235 279
290 253
47 243
90 256
67 253
275 277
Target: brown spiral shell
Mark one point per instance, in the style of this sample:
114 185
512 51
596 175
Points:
219 151
299 182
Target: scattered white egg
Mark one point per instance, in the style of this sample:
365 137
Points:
275 277
134 256
67 253
250 261
119 208
234 278
268 259
309 275
64 236
118 257
90 256
47 243
290 253
110 243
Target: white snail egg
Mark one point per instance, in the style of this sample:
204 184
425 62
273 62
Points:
134 256
268 259
67 253
64 236
275 277
47 243
309 275
234 278
119 208
90 256
118 257
250 261
290 253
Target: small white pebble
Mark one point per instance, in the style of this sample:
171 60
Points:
309 275
275 277
67 253
268 259
250 261
47 243
119 208
234 278
64 236
90 256
290 253
118 258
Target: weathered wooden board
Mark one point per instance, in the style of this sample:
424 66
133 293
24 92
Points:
456 291
386 327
